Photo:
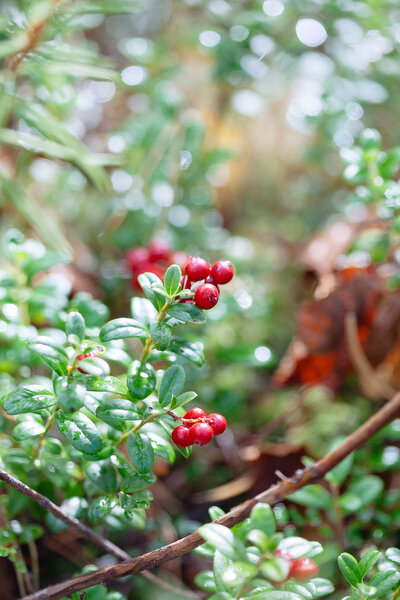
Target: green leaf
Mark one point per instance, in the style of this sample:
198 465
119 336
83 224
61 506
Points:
172 279
119 329
44 263
140 499
103 474
192 351
31 398
162 447
272 595
221 596
350 568
183 399
27 429
117 409
275 569
100 508
141 380
205 581
80 432
103 384
314 496
220 564
137 481
298 546
146 282
51 353
70 393
143 311
393 554
140 451
76 325
338 475
368 561
161 334
361 493
262 517
187 313
224 540
239 573
385 581
171 384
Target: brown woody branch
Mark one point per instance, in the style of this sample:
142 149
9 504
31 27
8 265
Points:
274 494
87 532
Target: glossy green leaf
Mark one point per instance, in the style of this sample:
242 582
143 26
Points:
172 279
393 554
27 429
140 499
141 380
314 496
385 581
80 432
275 569
368 560
103 474
70 393
224 540
137 481
119 329
192 351
239 573
161 334
118 409
171 384
147 281
31 398
143 311
103 384
350 568
187 313
140 451
51 353
76 325
100 508
262 517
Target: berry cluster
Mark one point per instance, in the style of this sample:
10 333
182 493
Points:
198 428
155 258
206 294
299 568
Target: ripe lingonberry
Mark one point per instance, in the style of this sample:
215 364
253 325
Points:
217 422
195 413
185 283
222 271
201 433
303 568
136 257
159 250
181 436
206 296
212 280
197 268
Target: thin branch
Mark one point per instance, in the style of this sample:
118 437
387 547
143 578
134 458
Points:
272 495
86 532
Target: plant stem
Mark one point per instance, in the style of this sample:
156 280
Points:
49 424
149 342
272 495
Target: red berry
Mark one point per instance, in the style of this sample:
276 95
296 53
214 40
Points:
303 568
283 554
197 268
195 413
159 250
222 271
206 296
185 283
217 422
181 436
201 433
212 280
136 257
186 301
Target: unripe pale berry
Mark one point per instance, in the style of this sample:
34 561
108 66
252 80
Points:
195 413
303 568
197 268
217 422
181 436
222 271
201 433
206 296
